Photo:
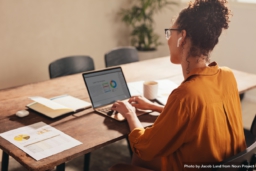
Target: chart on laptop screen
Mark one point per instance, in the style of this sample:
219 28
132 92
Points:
106 87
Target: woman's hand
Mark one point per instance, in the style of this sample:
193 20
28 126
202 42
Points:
124 108
140 102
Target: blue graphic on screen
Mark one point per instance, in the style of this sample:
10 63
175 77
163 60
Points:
113 83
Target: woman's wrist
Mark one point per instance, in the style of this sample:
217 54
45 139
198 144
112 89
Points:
133 121
130 115
157 107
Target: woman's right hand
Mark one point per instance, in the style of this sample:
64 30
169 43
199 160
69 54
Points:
141 103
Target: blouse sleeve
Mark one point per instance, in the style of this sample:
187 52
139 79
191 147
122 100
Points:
167 133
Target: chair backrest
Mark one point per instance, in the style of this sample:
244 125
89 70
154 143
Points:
250 135
70 65
244 160
253 127
121 55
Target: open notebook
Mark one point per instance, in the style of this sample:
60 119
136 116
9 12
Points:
57 106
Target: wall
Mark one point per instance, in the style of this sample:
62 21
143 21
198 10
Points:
35 33
237 46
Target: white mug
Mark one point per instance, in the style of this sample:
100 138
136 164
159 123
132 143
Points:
150 89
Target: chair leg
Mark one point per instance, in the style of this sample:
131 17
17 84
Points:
61 167
130 149
87 161
5 161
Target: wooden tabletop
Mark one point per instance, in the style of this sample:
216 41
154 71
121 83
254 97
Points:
93 130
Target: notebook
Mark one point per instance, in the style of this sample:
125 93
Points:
106 87
57 106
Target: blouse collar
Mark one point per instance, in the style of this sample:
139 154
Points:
211 69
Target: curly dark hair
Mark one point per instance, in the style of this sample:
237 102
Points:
203 21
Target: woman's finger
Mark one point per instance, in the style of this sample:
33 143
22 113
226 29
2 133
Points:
132 99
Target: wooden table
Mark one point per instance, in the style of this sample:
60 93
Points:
93 130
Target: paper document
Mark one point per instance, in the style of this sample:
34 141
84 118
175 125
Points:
165 87
136 88
40 140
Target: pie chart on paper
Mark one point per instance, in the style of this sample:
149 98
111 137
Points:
21 137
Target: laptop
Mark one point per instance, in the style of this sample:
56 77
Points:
106 87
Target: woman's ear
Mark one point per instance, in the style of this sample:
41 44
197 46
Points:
182 38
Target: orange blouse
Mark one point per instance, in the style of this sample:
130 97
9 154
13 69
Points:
200 124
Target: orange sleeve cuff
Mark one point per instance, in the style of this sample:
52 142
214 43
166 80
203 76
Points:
134 138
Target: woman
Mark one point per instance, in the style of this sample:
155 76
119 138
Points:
202 121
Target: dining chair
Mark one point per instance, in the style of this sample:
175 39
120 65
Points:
243 161
250 135
121 55
246 157
70 65
127 167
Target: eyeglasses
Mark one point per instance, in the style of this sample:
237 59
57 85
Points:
168 32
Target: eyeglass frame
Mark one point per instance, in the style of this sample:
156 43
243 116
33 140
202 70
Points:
165 32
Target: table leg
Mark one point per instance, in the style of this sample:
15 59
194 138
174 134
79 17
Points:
61 167
5 161
87 161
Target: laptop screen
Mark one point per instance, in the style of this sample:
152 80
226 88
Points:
106 86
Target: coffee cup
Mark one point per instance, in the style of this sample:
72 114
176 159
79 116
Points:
150 89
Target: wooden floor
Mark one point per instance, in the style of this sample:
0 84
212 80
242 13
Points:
118 152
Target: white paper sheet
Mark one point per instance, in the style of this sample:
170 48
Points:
136 88
40 140
165 87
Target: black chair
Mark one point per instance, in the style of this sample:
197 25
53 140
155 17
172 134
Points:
244 161
247 157
70 65
250 135
121 55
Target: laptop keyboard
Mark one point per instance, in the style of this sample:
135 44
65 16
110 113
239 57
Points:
106 110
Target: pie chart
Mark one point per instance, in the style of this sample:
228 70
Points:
113 83
21 137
